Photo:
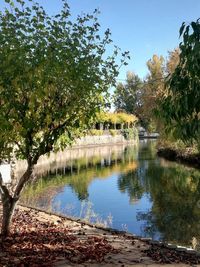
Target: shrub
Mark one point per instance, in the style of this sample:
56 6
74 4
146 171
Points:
130 133
113 132
96 132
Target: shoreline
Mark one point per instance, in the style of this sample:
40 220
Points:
183 157
109 229
126 249
45 239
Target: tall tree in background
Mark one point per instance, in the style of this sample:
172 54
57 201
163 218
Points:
54 77
151 91
143 98
126 95
180 107
172 61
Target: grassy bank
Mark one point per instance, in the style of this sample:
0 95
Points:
177 151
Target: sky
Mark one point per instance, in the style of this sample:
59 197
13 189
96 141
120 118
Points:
143 27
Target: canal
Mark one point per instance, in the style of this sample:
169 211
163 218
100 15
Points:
124 187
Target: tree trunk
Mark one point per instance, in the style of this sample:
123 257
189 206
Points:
9 204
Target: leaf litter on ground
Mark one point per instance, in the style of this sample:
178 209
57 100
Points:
35 243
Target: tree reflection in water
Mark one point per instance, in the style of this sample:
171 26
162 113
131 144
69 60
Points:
175 192
172 189
78 175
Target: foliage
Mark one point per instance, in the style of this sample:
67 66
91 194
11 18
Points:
126 96
173 61
151 91
113 132
151 126
102 117
96 132
114 118
146 95
45 65
172 144
180 107
54 78
182 151
130 133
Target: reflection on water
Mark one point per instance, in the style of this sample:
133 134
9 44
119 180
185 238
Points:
150 196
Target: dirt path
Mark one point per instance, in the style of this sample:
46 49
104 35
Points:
50 239
129 250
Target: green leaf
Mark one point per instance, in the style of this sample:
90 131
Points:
181 29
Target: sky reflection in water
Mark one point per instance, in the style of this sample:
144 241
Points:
144 194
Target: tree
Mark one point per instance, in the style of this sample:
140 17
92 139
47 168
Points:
126 96
151 91
180 106
53 79
173 61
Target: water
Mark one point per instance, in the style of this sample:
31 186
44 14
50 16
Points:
140 192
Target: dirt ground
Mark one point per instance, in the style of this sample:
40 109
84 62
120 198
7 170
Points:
130 249
90 245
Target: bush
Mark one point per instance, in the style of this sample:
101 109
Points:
113 132
177 145
96 132
130 133
113 118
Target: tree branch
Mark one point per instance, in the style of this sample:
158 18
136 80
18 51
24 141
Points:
25 177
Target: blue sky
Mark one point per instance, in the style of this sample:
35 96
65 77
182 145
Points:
144 27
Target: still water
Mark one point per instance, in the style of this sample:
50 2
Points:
125 187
